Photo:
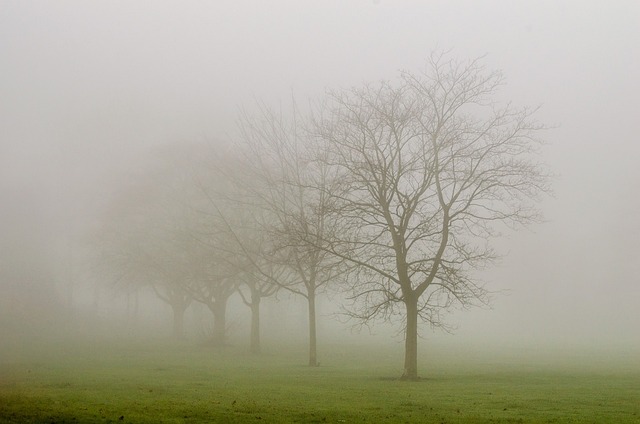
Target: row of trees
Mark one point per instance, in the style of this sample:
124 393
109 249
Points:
390 192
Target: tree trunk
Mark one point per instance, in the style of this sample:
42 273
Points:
219 323
313 355
254 345
411 341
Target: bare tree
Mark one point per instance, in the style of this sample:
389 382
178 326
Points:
217 234
259 287
248 253
209 241
430 169
253 255
137 244
291 190
214 279
166 233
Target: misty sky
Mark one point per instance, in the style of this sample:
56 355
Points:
87 86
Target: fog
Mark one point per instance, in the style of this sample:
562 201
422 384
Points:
90 92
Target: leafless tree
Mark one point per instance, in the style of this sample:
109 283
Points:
430 169
165 233
246 250
259 286
212 281
208 241
137 244
290 189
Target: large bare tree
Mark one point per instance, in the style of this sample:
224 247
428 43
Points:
430 169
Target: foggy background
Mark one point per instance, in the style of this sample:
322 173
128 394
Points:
87 89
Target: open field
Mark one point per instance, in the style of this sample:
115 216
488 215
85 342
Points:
185 383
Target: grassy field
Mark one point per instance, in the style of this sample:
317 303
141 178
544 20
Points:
160 383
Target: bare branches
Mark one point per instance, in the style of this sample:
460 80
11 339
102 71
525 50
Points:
429 169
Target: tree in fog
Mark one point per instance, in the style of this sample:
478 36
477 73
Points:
252 254
430 169
208 242
231 252
291 190
175 229
166 262
140 242
259 280
212 281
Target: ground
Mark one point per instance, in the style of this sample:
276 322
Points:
165 383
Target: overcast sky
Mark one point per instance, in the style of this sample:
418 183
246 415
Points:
87 85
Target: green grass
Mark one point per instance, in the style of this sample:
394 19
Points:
160 383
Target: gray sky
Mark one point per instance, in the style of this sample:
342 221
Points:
87 85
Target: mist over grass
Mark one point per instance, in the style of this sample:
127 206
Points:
79 366
152 381
65 333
